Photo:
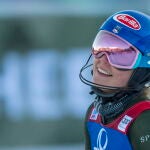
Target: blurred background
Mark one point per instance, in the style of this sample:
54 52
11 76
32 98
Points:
43 44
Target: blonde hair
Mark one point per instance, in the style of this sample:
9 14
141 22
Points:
146 93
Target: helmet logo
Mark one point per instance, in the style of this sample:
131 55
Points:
128 21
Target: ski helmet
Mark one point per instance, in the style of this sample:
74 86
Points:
134 28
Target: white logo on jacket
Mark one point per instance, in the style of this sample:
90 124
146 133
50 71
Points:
124 123
99 139
94 114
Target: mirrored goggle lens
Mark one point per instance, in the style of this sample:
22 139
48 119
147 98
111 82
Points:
119 53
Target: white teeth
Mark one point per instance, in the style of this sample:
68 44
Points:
104 72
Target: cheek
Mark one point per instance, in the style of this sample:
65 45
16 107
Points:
123 77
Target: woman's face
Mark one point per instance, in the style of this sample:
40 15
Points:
105 74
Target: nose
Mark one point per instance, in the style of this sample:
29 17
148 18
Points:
104 59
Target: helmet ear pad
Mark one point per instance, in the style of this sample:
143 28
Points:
139 77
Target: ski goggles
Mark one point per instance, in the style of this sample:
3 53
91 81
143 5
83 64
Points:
119 52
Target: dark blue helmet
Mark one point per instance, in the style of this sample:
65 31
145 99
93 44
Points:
133 26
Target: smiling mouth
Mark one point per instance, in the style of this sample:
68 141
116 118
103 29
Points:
104 72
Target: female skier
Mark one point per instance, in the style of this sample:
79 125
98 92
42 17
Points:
119 117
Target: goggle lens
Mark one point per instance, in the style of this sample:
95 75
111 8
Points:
119 53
